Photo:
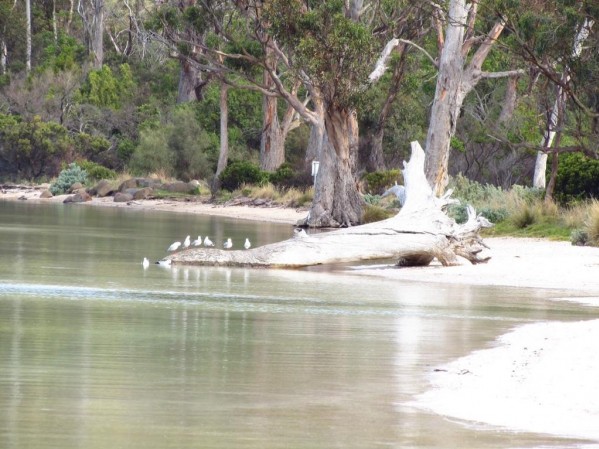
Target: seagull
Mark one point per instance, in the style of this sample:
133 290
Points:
186 242
164 263
299 233
399 191
197 242
208 242
174 246
228 244
145 263
247 244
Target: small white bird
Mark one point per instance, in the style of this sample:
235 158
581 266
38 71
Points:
228 244
164 263
247 244
208 242
187 242
145 263
174 246
297 232
197 242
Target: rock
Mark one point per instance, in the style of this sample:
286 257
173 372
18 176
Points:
102 188
149 182
143 194
179 187
128 184
74 187
80 197
194 183
121 197
46 194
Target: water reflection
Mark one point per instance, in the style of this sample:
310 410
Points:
95 351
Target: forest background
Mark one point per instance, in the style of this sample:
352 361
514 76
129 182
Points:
257 90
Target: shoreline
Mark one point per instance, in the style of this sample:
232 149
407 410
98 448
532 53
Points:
539 377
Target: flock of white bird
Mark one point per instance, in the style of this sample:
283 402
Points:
228 244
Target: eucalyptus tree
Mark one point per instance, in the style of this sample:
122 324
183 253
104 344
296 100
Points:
92 17
561 43
460 69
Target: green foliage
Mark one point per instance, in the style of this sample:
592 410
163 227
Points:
152 154
66 53
180 148
67 177
33 148
332 49
577 178
379 181
104 89
282 175
242 172
96 172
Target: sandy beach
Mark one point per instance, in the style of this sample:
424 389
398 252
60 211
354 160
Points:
540 377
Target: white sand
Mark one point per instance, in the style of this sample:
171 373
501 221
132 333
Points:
541 377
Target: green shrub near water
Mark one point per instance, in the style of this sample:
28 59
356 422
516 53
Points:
242 172
67 177
96 172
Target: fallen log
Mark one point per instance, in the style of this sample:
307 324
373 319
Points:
419 233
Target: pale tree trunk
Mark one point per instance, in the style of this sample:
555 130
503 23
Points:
54 22
317 134
559 105
223 154
3 56
376 159
419 233
454 81
92 15
28 35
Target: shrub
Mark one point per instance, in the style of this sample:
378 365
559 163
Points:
152 154
377 182
577 178
67 177
525 217
375 213
494 215
282 175
579 237
96 171
241 172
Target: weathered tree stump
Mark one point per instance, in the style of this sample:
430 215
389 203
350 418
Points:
420 232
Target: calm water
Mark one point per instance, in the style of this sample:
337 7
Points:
96 352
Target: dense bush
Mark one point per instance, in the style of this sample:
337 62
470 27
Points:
67 177
577 178
96 171
377 182
32 149
242 172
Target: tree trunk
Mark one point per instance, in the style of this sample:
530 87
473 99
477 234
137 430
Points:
449 95
419 233
28 35
317 135
272 146
191 83
92 15
559 105
376 159
3 56
223 155
337 201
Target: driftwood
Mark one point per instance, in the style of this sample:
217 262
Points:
420 232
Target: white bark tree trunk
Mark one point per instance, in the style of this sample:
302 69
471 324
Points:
454 81
539 179
28 35
92 15
223 155
420 232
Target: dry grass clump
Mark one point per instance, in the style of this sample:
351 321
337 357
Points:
591 225
374 213
294 197
265 192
